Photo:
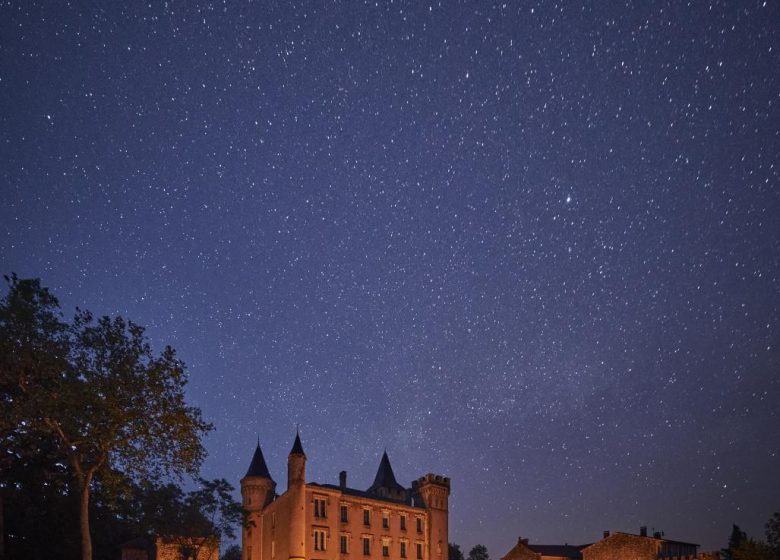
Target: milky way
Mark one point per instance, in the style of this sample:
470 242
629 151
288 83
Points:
531 246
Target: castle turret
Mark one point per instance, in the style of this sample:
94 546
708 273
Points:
257 491
296 488
434 491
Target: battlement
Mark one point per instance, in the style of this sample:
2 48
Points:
431 478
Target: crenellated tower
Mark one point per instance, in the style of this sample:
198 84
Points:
257 491
296 488
434 491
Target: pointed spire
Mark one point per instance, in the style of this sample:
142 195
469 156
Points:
297 448
258 467
385 477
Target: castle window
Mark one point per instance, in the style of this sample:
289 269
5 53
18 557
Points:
366 545
344 544
419 551
385 548
385 520
403 549
367 517
319 507
319 539
344 515
419 524
403 523
273 549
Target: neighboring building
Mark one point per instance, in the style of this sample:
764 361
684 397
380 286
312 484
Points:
334 522
171 548
617 546
525 551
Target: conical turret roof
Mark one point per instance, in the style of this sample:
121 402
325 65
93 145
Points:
258 467
297 448
384 477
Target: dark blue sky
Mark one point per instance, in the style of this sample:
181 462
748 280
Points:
532 246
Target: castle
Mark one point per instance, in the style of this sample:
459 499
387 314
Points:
311 521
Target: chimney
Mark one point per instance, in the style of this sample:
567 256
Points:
343 479
643 531
521 540
606 534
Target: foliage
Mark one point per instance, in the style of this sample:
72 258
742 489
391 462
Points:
735 539
233 552
773 535
202 516
479 552
96 389
454 552
748 549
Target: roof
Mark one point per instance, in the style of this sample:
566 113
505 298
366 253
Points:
297 448
258 467
385 477
362 494
564 550
662 539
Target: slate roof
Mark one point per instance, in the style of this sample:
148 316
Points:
385 477
297 448
258 467
362 494
565 550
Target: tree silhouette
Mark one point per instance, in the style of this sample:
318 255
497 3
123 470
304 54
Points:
454 552
479 552
97 389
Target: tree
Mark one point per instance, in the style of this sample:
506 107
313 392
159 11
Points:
773 535
204 516
97 388
454 552
748 549
233 552
736 538
479 552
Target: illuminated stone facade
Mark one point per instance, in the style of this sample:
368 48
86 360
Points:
313 521
171 548
618 546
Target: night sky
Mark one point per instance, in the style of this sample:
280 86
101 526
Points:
534 247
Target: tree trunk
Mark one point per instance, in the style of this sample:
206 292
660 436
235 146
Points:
86 538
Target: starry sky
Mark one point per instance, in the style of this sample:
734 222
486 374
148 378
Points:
532 246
